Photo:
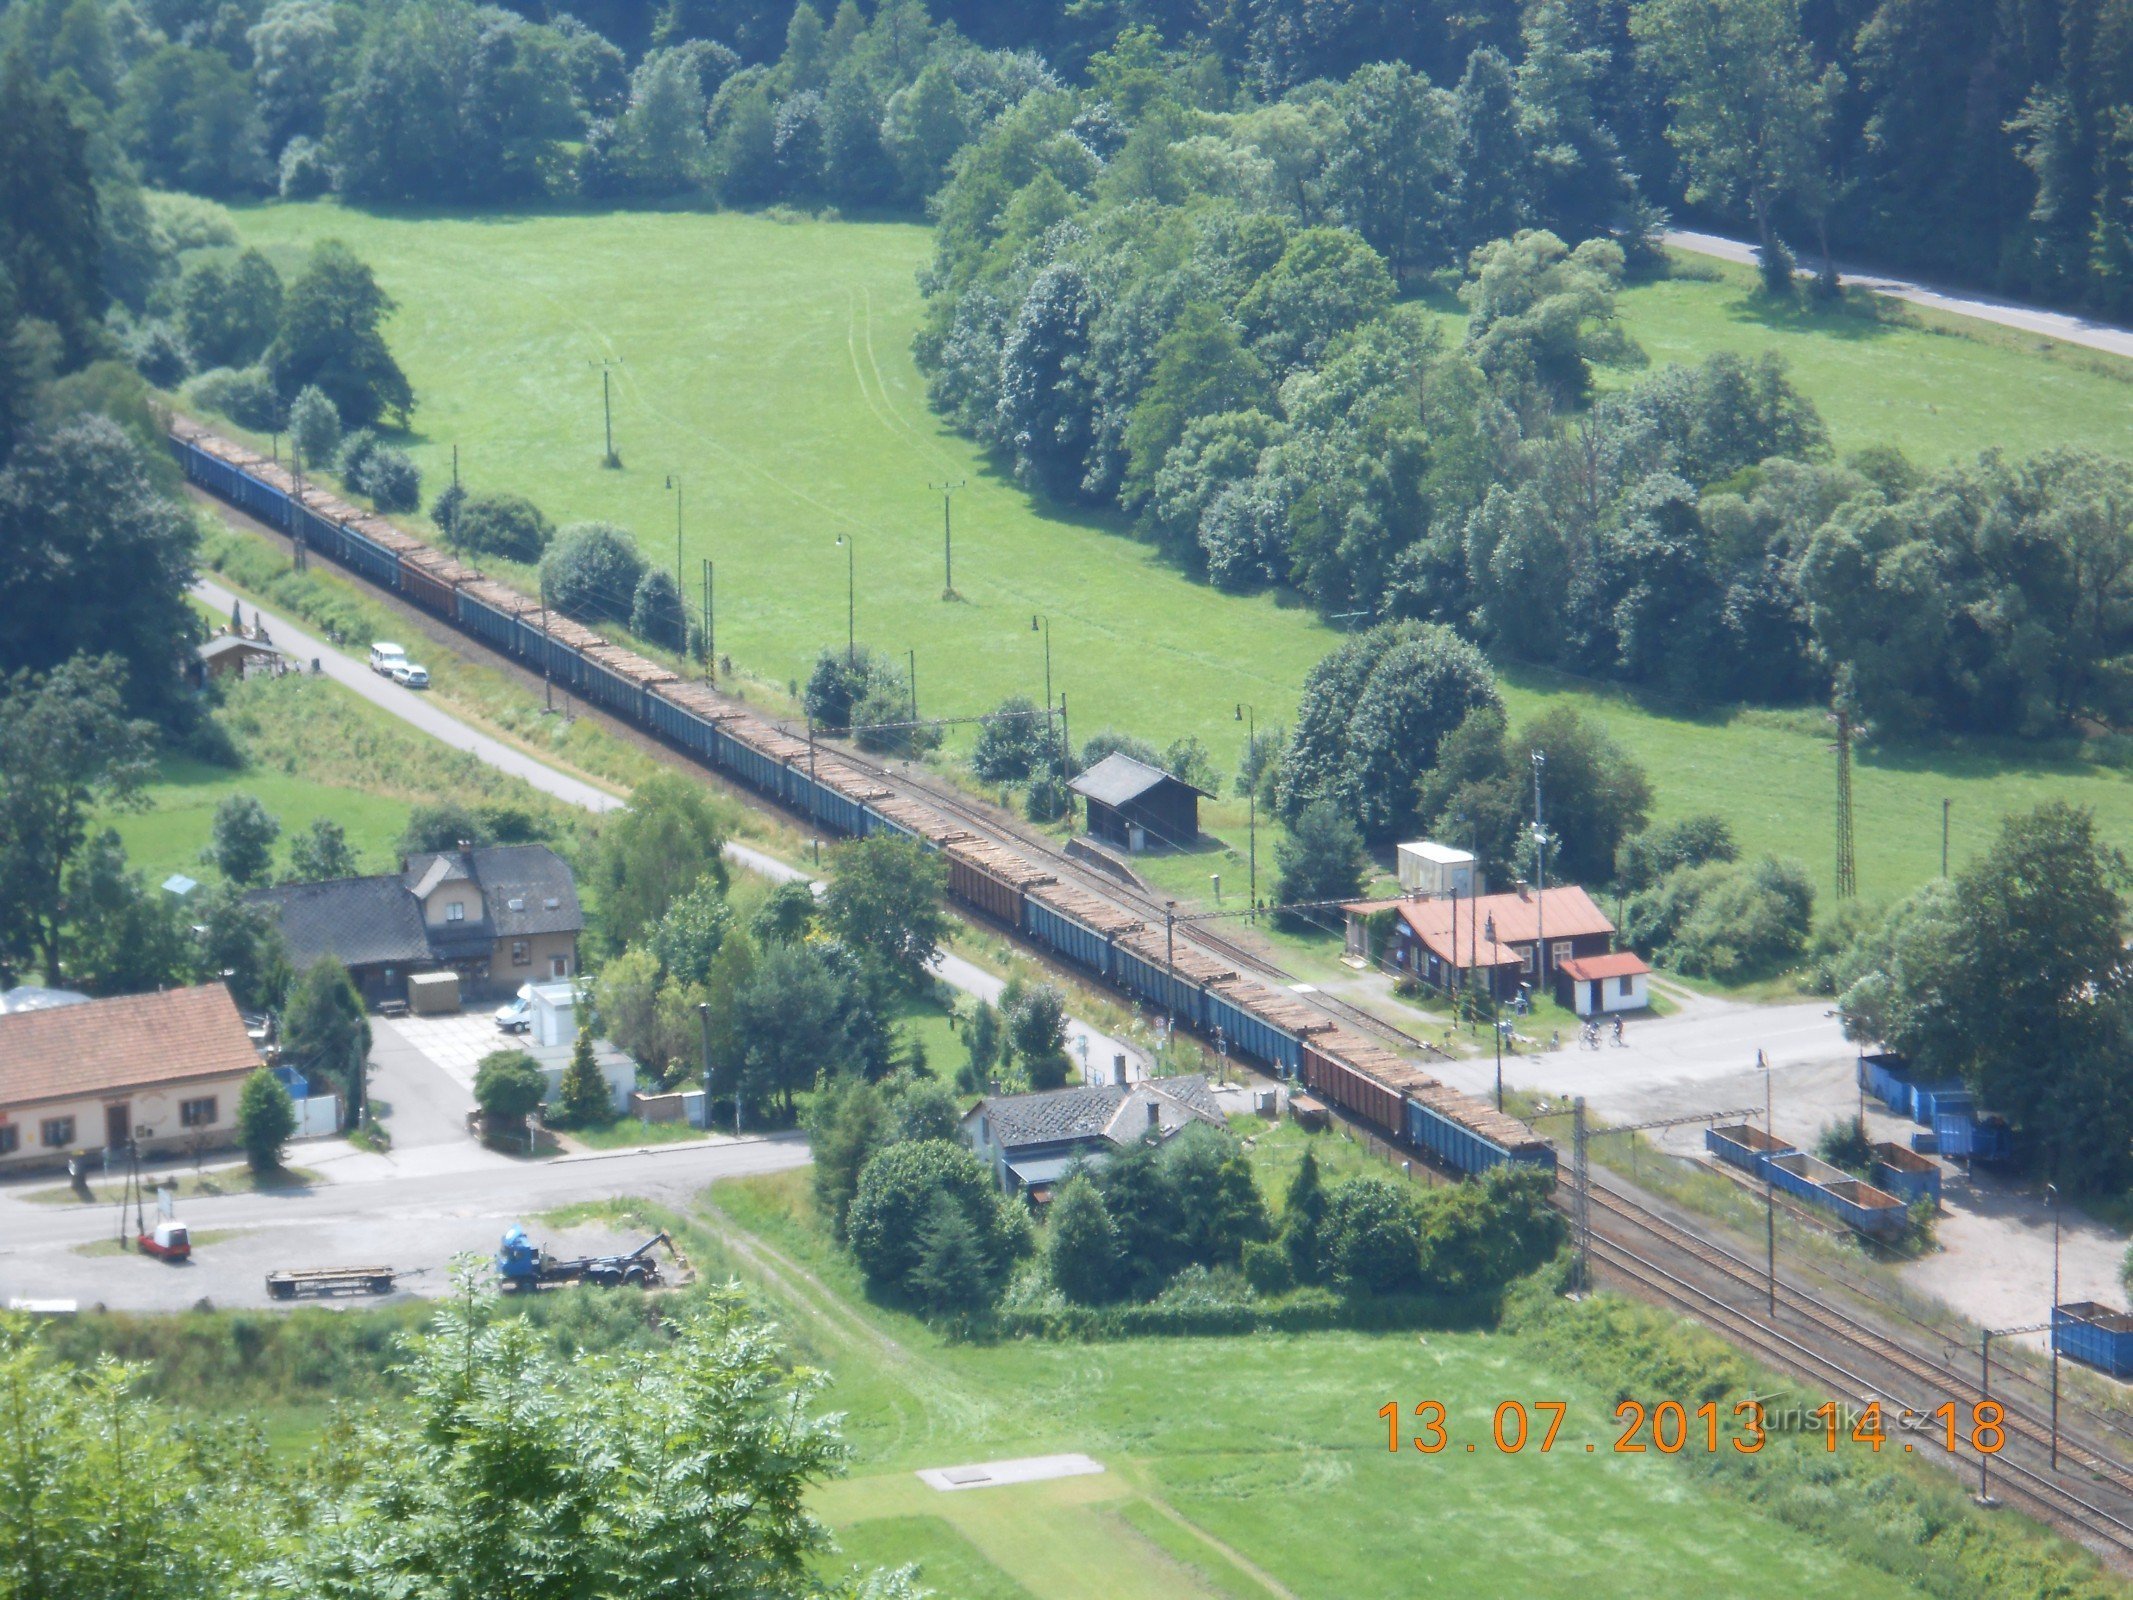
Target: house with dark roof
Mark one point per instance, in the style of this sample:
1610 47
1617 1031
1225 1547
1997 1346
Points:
1135 805
1030 1140
1505 942
159 1070
498 915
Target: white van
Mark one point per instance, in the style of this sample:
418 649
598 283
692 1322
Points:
517 1016
384 656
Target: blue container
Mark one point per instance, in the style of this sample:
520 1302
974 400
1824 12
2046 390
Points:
1833 1190
380 565
678 723
1929 1100
1068 936
749 765
1884 1077
1462 1148
1156 984
1907 1176
2095 1335
1961 1133
1252 1036
1925 1142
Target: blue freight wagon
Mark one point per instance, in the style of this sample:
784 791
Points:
678 723
1906 1175
2095 1335
487 623
1076 940
1745 1146
1252 1036
1151 981
1465 1149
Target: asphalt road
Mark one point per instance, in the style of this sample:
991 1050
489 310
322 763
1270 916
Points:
1087 1043
2064 325
413 1210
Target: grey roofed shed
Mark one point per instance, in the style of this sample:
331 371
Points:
1136 805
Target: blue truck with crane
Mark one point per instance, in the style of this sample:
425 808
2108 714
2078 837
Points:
522 1265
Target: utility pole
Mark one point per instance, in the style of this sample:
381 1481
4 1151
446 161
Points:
1841 710
1170 960
851 598
912 657
547 683
1770 1225
1045 623
1540 882
674 483
2051 1194
296 513
607 410
1944 805
710 626
1581 1197
947 490
1250 714
1496 1022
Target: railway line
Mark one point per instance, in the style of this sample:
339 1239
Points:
1075 914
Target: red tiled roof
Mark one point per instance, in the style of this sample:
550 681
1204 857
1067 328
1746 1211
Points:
134 1041
1565 913
1619 964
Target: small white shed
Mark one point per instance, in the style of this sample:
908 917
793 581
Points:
553 1021
1429 868
1598 985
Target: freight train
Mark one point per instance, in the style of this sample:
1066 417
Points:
1080 929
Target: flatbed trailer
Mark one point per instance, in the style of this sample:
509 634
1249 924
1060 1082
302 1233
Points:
288 1285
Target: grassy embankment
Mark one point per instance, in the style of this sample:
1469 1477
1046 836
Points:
768 363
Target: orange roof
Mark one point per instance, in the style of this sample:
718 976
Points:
1565 913
1619 964
134 1041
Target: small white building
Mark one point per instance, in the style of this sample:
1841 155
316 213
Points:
553 1021
1594 986
1429 868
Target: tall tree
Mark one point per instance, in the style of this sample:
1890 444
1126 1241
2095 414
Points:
330 338
324 1030
127 935
67 751
50 237
648 856
884 902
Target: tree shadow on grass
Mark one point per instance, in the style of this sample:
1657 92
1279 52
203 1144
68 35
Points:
1859 314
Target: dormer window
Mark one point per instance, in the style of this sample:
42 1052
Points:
517 902
455 911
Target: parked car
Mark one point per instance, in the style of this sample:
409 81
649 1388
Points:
517 1016
384 656
410 675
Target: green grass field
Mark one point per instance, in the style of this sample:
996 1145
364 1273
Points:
768 364
1245 1467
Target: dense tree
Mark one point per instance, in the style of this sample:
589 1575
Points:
189 118
686 938
1188 1201
1201 369
265 1119
591 572
241 840
1014 741
508 1087
329 338
1303 1221
126 936
1371 718
240 943
297 48
1371 1237
2046 1043
801 1018
652 853
1389 171
314 425
884 901
582 1099
97 557
228 314
1644 858
502 524
1540 313
1327 281
321 851
1725 920
1319 858
1044 398
1034 1019
324 1030
656 610
1081 1244
849 1123
67 751
50 227
896 1196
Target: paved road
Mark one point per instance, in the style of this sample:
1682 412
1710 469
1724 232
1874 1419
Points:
1087 1043
2064 325
410 1209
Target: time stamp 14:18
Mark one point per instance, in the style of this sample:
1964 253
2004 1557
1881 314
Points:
1672 1426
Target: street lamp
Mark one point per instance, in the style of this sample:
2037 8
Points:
1249 716
947 490
674 483
851 597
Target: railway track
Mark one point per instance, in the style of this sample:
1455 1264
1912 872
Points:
1818 1314
2106 1530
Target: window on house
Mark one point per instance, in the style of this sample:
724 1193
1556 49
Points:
201 1113
559 966
455 911
58 1132
1559 952
10 1138
1525 959
521 954
1622 986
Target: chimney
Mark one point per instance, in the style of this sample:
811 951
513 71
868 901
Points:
1118 1068
465 845
1155 1114
1523 887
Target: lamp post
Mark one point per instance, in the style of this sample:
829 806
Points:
947 490
1250 717
851 597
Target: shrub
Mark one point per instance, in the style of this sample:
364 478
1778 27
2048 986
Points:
1012 744
265 1119
1082 1245
1048 798
314 425
391 480
582 1098
895 1200
508 1088
1266 1267
1644 858
656 611
354 454
305 173
506 525
591 572
245 396
1371 1238
445 510
1845 1144
157 353
1319 858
